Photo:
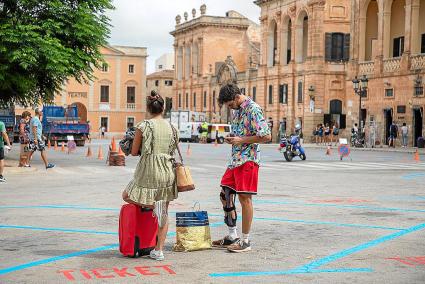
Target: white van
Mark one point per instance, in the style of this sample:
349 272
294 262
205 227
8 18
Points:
189 131
219 132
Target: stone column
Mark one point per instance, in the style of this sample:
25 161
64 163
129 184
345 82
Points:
315 30
386 34
362 38
284 45
200 56
407 30
414 27
298 42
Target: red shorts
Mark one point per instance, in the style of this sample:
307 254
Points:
242 179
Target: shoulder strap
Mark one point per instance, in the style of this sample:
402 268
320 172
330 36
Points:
177 142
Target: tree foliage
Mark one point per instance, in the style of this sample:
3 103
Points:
43 43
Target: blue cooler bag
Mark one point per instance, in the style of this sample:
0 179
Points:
192 231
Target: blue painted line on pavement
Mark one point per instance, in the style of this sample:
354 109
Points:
289 272
312 266
373 208
58 229
62 257
373 243
75 207
413 176
319 223
218 215
56 258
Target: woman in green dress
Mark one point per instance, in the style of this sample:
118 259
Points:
154 181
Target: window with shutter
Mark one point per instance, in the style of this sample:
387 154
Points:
187 100
194 99
254 93
205 99
213 101
328 46
281 94
337 46
270 94
423 43
398 46
180 100
346 48
104 94
131 95
300 92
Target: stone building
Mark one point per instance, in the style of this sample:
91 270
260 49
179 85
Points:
165 62
300 63
208 51
116 98
388 46
162 82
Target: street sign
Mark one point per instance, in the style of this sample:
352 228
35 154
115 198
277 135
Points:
344 150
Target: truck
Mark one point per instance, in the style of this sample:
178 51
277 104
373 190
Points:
62 124
7 115
187 122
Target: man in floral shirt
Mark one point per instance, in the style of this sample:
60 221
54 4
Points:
249 128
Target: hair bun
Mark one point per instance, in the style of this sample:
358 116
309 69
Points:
154 94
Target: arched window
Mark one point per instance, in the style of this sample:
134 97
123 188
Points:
272 45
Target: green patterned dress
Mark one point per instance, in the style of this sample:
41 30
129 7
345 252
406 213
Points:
154 177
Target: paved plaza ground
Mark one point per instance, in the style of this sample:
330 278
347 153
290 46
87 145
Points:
316 221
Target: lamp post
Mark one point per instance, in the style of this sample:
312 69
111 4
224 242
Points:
360 88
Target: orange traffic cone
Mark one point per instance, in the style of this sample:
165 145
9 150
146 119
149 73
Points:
100 153
328 151
49 144
188 150
56 145
120 152
417 156
89 153
63 147
113 146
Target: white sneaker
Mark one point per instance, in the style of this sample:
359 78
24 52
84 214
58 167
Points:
2 179
157 255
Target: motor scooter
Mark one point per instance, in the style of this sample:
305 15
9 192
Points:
291 147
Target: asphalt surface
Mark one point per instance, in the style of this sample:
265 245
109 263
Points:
359 220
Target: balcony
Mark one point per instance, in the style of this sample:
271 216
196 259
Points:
131 106
366 68
392 65
417 62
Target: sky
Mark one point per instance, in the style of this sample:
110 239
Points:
149 23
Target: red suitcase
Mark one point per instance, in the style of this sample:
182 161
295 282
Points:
137 230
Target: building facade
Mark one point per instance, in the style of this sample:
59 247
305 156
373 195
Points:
300 63
208 51
162 82
165 62
116 98
388 46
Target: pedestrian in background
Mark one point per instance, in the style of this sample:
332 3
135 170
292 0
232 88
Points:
393 134
3 138
335 133
102 131
327 133
404 134
249 128
154 182
316 134
24 139
320 133
36 138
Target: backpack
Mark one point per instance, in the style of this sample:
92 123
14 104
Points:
200 130
393 128
336 131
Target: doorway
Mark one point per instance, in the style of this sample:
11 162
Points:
388 118
417 124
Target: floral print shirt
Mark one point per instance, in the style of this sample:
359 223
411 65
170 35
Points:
248 120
